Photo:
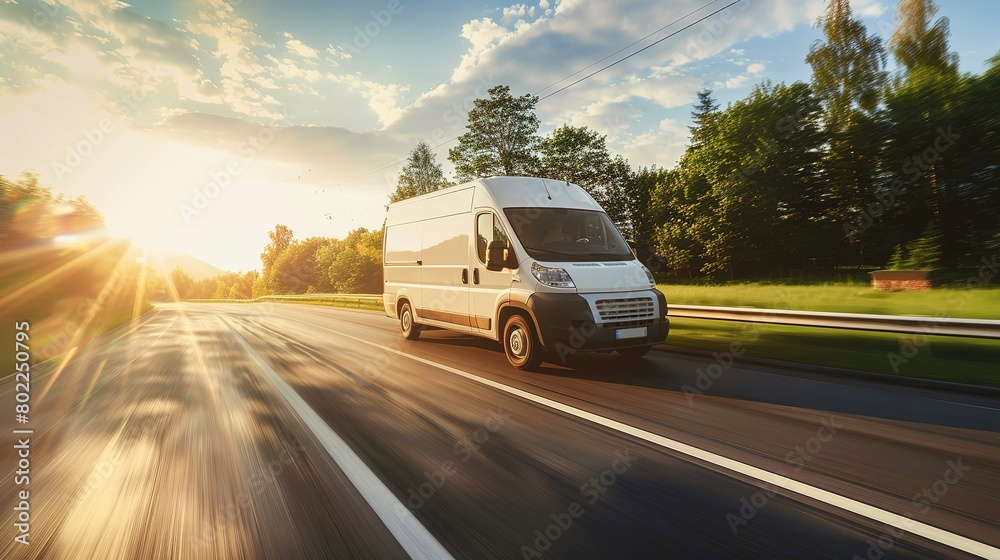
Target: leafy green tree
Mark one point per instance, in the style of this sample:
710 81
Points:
918 43
576 154
750 193
357 269
295 270
923 253
181 283
848 65
421 175
325 257
281 238
849 77
502 137
41 215
702 111
616 198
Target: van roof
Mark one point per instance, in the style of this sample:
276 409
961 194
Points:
517 192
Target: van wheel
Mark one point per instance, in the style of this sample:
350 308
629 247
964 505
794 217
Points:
633 353
410 329
520 344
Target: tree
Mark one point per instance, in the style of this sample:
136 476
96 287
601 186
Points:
848 68
181 284
357 269
281 238
750 193
577 155
39 214
295 270
421 175
706 106
502 137
917 43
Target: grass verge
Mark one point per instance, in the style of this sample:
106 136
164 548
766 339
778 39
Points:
944 358
983 303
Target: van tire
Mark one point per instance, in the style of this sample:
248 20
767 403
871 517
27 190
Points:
407 325
520 344
633 353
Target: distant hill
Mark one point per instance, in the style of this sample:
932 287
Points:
195 268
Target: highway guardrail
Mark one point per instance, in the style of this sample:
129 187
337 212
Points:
899 324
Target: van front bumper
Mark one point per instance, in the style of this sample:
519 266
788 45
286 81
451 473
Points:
566 324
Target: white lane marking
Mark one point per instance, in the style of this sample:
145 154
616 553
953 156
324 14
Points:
907 524
415 539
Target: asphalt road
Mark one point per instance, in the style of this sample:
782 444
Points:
292 431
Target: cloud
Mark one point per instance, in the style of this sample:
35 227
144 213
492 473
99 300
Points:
870 8
382 98
517 12
299 48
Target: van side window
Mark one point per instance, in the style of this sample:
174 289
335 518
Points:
488 229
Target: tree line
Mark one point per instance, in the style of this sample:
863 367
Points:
858 166
352 265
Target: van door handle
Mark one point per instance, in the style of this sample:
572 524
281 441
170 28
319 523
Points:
475 275
465 275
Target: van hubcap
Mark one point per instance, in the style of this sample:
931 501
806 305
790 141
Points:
406 320
517 345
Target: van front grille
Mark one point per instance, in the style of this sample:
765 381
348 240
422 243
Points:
626 309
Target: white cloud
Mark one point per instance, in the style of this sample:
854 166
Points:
299 48
663 145
870 8
382 98
755 68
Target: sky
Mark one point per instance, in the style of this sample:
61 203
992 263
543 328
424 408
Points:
198 125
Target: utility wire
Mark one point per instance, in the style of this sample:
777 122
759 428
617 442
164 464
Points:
454 136
653 44
630 45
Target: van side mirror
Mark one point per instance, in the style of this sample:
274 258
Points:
497 255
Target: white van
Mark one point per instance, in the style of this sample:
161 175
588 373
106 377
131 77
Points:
533 263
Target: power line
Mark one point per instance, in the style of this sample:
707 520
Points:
632 44
653 44
454 136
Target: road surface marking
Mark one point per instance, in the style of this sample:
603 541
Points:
412 536
907 524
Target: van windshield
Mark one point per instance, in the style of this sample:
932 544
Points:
561 234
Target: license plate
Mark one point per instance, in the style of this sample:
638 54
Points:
638 332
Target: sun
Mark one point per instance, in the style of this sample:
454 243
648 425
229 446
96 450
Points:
151 234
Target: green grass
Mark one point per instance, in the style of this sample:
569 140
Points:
981 303
961 360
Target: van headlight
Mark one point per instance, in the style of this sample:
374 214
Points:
649 276
552 276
